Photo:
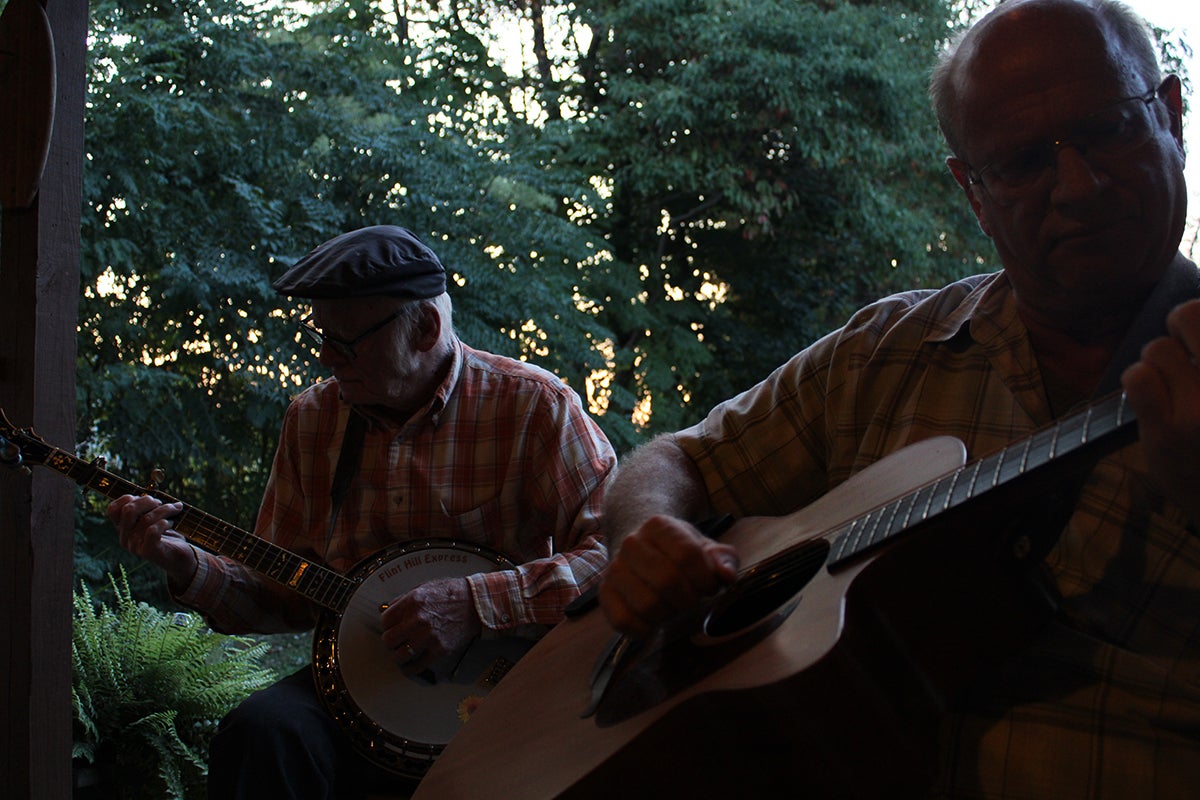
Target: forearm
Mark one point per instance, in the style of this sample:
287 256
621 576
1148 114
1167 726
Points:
537 592
237 600
656 479
661 564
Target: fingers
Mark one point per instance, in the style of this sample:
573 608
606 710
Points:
400 639
398 632
1148 384
434 620
129 511
142 521
1183 324
1163 388
412 659
1164 385
664 568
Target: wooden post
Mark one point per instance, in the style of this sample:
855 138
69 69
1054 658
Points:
39 289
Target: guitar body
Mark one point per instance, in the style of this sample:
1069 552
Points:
821 683
403 722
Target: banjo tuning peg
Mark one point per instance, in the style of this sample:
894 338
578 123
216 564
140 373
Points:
10 456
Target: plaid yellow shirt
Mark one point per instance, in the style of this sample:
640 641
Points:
1105 703
503 456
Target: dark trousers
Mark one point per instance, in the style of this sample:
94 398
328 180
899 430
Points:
281 743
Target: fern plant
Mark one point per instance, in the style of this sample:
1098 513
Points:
148 689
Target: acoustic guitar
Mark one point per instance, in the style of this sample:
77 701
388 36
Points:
399 722
824 669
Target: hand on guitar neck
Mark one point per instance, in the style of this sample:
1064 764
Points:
1164 389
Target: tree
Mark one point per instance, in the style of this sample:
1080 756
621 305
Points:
773 165
190 197
664 199
224 141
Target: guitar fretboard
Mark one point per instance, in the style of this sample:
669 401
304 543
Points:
319 584
1109 423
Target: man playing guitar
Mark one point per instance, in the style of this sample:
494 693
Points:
1068 144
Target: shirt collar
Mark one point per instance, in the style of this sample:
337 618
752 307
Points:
446 389
985 314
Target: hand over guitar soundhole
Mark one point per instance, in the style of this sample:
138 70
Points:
768 586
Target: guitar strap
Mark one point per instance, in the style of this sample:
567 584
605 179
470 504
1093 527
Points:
348 461
1179 283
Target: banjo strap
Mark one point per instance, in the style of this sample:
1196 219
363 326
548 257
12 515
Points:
348 461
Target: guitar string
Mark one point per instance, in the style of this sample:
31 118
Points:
1078 430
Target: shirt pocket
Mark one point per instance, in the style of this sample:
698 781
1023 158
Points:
485 524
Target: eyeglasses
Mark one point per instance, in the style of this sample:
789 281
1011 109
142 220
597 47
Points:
342 347
1116 129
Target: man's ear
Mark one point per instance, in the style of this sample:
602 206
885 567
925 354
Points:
962 174
428 330
1171 93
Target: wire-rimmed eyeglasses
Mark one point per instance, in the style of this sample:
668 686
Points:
344 347
1120 127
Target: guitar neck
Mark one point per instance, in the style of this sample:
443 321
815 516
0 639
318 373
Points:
1098 429
319 584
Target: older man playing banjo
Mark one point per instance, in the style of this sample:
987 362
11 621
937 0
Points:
477 476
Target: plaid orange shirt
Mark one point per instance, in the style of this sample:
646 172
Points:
1104 704
503 456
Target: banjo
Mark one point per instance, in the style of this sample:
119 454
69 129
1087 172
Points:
399 722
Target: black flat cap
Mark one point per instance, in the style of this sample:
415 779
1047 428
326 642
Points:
380 260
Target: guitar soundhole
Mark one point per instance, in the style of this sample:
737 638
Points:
765 588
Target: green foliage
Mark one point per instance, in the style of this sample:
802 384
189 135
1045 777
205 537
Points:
148 689
778 154
660 203
191 199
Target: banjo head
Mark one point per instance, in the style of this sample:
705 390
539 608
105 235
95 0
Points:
398 721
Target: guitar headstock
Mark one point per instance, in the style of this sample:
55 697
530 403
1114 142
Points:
18 446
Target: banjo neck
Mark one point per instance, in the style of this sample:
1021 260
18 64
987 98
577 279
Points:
314 581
